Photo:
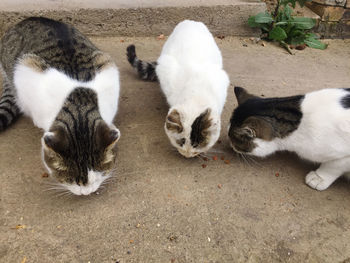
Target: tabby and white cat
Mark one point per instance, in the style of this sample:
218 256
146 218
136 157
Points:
191 76
316 126
53 74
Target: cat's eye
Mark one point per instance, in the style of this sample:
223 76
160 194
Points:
181 142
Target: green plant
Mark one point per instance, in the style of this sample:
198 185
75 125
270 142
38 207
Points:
286 29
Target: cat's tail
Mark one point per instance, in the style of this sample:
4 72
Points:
145 70
9 111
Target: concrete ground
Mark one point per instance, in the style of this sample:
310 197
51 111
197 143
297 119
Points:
162 207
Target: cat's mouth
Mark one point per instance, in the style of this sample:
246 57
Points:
188 154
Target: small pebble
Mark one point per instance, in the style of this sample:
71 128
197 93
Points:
227 161
277 174
219 186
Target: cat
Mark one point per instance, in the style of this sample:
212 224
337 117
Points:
315 126
192 78
70 89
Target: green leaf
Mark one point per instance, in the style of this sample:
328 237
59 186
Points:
277 33
281 23
297 32
251 22
297 40
286 2
315 43
303 22
263 18
287 11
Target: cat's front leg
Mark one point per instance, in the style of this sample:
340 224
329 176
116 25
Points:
327 173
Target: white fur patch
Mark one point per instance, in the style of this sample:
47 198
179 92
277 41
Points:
95 179
42 94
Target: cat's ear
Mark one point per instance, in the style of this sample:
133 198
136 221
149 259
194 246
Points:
173 121
56 139
203 122
246 132
258 127
107 136
200 128
242 95
54 143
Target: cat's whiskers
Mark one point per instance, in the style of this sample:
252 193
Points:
241 158
203 156
249 160
252 160
64 193
213 150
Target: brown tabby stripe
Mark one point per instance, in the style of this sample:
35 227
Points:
145 70
284 114
8 108
79 117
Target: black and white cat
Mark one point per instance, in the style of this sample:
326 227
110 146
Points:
191 76
316 126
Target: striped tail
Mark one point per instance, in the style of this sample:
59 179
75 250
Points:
145 70
8 108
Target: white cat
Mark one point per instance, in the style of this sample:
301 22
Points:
315 126
192 78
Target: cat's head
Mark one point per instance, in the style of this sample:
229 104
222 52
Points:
192 133
251 132
80 162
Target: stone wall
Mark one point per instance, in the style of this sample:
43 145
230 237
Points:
334 17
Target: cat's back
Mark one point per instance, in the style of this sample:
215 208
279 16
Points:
324 131
333 103
59 45
191 41
47 60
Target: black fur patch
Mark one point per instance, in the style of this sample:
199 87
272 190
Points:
283 114
345 101
131 54
199 127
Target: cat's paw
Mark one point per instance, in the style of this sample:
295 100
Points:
316 182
